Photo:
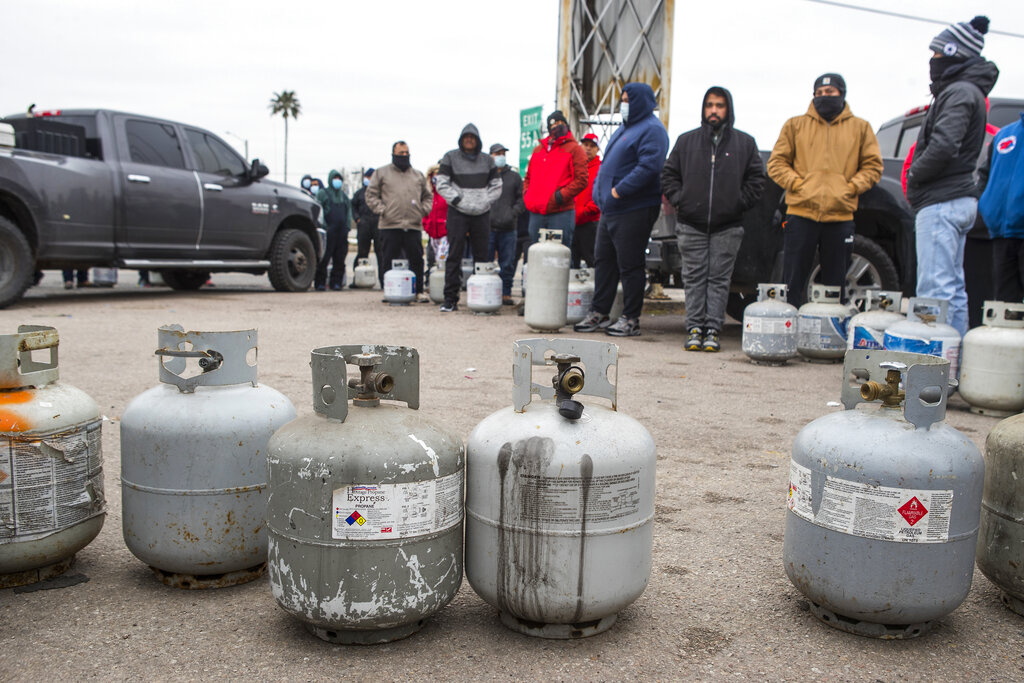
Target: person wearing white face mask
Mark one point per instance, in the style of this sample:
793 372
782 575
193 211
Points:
337 212
504 216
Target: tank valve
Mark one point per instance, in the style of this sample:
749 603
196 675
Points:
370 383
568 381
890 392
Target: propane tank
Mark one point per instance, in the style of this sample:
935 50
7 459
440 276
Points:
884 501
925 331
549 282
821 326
483 293
365 274
51 462
467 272
1001 537
881 311
992 374
365 510
435 288
193 479
560 497
769 327
581 295
399 284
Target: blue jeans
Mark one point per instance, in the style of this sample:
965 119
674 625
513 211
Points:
941 230
563 220
505 244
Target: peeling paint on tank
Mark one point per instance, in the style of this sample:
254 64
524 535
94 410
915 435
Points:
416 575
430 454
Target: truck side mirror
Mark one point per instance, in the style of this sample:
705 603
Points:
258 170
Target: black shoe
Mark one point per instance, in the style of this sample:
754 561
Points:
624 327
353 286
449 308
335 288
320 288
592 323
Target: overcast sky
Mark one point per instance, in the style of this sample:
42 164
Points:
370 73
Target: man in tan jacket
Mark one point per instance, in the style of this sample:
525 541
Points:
824 160
399 194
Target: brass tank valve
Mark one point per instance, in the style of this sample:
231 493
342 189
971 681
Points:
370 384
568 381
890 393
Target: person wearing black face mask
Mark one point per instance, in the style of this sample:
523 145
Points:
824 160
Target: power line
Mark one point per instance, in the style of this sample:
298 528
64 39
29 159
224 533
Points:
904 16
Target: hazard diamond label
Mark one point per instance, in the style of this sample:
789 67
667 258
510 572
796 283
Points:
913 511
3 476
789 323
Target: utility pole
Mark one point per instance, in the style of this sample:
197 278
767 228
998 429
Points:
244 142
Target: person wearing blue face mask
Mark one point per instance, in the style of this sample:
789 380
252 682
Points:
337 211
504 215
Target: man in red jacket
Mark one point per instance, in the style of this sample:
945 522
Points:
556 174
587 213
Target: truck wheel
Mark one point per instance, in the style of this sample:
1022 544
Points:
292 261
185 280
870 268
17 265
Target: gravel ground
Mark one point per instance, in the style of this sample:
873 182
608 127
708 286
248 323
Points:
718 606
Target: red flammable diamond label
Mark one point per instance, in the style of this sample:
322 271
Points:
789 323
913 510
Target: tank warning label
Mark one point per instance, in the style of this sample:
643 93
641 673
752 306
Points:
821 333
880 512
769 325
562 501
367 511
50 482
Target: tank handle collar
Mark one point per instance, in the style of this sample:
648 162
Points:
600 359
925 382
331 390
17 368
222 355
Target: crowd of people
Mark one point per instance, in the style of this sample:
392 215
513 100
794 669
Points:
472 204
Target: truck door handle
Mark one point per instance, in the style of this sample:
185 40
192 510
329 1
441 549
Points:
134 178
213 187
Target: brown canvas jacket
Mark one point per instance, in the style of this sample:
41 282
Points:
400 198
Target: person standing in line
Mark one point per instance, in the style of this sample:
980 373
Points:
469 181
398 193
504 216
824 160
307 185
366 228
434 224
713 174
336 212
628 192
1002 207
587 213
557 172
941 184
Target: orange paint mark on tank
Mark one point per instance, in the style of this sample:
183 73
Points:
11 397
11 421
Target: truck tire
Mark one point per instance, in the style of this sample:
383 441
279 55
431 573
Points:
184 279
292 261
17 265
870 268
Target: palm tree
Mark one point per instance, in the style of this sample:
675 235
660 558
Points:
287 105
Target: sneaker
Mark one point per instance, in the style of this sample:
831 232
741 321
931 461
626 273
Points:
423 299
449 308
507 300
624 327
711 344
592 323
335 288
352 285
695 341
69 285
320 288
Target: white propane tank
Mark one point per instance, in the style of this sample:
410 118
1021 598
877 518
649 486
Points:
104 277
925 331
821 326
549 282
365 517
193 452
581 295
884 501
435 288
560 496
483 292
881 311
365 274
400 284
992 373
51 462
769 327
467 272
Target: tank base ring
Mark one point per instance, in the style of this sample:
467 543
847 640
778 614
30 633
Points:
365 637
485 312
558 631
823 361
30 576
992 412
870 629
1012 603
195 582
769 363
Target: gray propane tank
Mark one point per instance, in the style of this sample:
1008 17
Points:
467 272
560 496
992 373
483 292
51 463
549 282
581 295
365 274
193 479
435 288
366 502
399 284
821 326
884 501
769 327
882 310
1001 538
925 331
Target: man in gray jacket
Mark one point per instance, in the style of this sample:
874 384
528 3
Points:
469 181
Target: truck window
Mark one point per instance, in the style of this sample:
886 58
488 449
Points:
909 137
154 143
212 155
887 139
1003 116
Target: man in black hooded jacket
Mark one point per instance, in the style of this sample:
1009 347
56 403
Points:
713 174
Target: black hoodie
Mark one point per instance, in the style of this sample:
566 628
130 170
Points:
712 185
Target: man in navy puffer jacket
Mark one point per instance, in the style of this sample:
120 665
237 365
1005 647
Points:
628 192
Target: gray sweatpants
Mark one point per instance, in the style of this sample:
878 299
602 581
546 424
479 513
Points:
708 261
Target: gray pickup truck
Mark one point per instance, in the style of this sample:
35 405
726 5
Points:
92 187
